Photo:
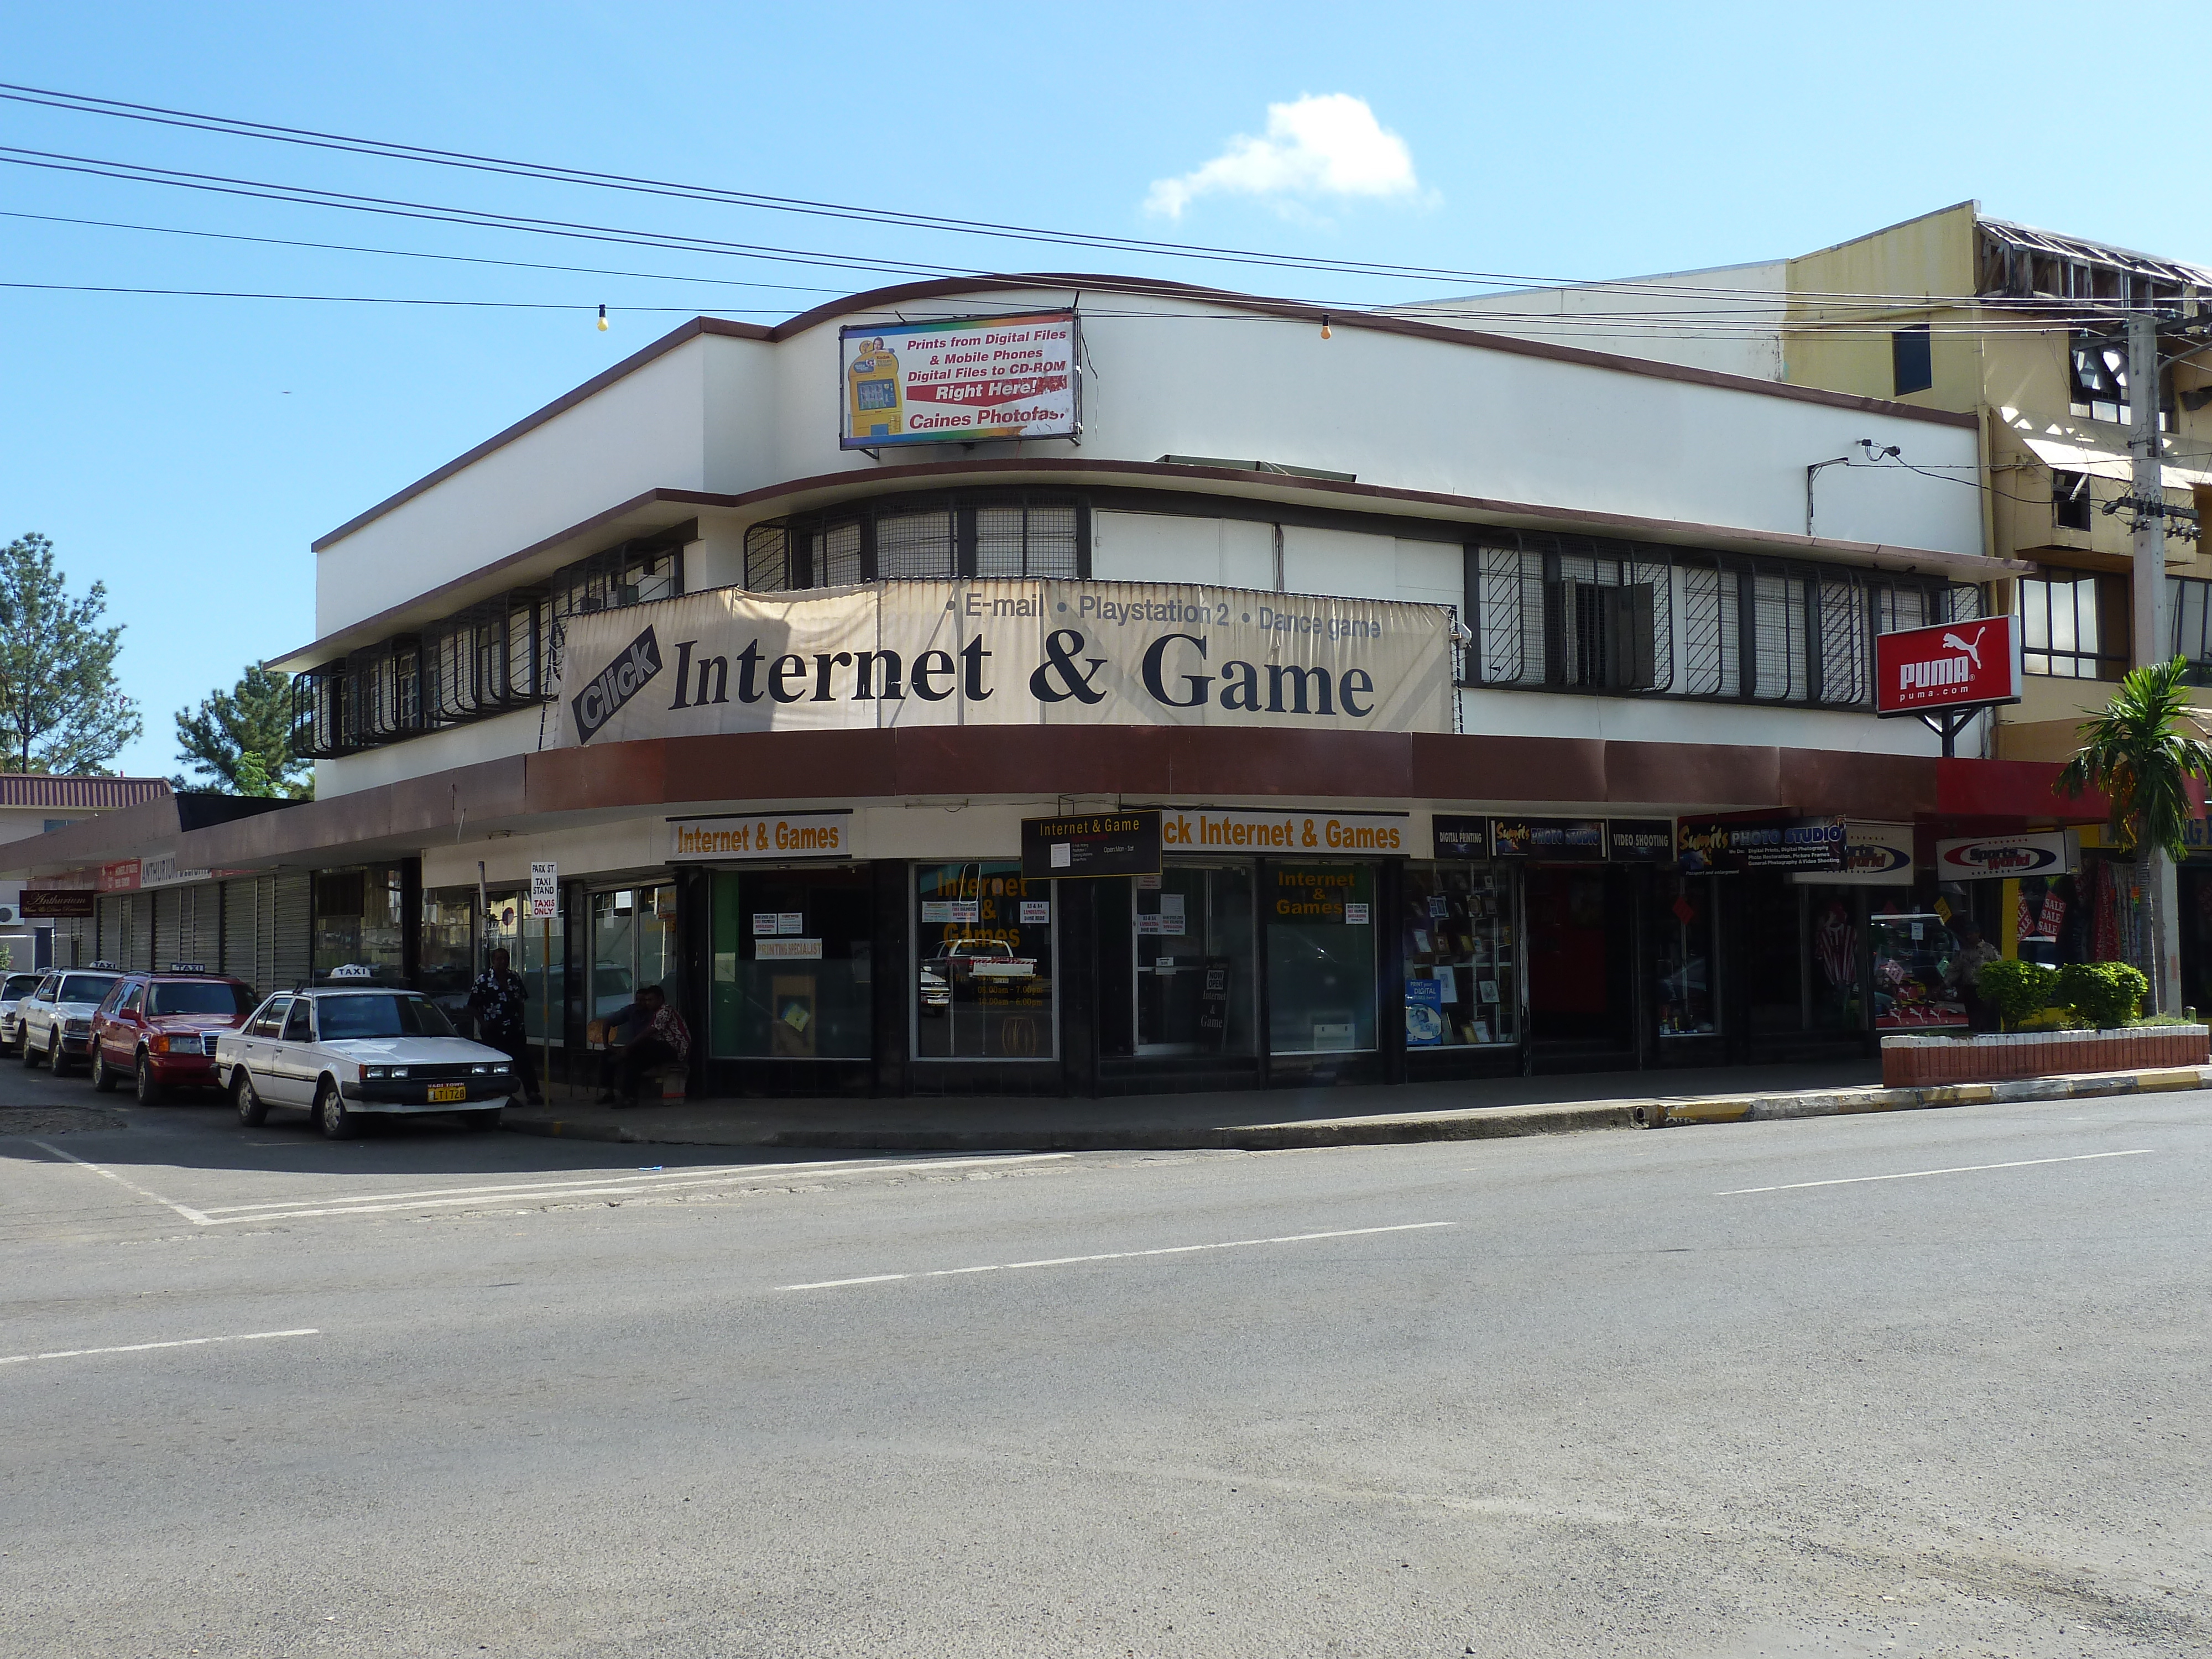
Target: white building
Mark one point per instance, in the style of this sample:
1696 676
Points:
1467 598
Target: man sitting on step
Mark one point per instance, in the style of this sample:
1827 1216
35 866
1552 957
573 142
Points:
659 1037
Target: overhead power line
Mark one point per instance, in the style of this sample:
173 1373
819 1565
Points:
231 126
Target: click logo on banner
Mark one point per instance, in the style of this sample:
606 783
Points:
615 684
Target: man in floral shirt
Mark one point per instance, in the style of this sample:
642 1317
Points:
497 1000
659 1037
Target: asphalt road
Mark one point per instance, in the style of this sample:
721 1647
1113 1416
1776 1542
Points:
1930 1383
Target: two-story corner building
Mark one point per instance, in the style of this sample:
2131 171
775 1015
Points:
1488 689
2015 327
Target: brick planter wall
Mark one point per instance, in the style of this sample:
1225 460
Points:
1914 1061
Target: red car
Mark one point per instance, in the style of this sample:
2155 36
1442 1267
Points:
159 1029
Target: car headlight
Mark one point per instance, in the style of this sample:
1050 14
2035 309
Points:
77 1027
489 1070
380 1073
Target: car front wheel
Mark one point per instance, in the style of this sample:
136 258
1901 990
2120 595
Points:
331 1114
57 1061
150 1089
30 1054
252 1110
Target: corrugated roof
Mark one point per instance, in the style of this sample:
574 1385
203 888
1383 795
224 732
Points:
100 794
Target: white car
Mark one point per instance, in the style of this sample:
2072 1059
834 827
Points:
54 1023
339 1055
13 990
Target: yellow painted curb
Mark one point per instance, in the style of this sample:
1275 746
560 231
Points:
2174 1077
1958 1094
1706 1111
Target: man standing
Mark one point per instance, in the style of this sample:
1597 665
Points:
658 1036
498 1000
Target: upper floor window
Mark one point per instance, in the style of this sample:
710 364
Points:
1912 359
941 537
2190 600
2097 375
1632 617
2064 627
2070 502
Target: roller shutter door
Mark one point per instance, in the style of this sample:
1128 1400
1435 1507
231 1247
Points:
141 933
169 930
294 956
108 946
198 926
239 932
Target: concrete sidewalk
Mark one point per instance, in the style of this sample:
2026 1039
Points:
1258 1120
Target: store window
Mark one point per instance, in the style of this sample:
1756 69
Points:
1914 985
793 965
633 946
1191 937
1683 931
983 963
1832 995
357 923
537 949
1461 968
447 959
1320 958
2062 623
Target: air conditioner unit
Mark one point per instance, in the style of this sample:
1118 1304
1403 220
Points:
10 916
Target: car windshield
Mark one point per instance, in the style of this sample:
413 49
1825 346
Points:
86 987
341 1018
207 996
18 985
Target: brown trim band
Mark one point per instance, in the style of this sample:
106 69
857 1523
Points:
1289 310
791 495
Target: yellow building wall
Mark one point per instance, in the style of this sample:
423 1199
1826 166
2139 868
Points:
1847 348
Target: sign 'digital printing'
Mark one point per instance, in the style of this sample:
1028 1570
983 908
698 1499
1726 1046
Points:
963 380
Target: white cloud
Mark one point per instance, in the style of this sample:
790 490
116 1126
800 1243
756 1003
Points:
1330 145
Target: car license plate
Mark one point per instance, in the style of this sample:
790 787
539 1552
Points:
449 1091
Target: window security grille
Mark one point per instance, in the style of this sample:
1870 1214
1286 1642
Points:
500 655
1578 614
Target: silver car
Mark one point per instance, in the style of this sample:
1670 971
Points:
54 1023
13 990
340 1055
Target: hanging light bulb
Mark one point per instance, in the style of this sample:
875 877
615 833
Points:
603 320
1324 327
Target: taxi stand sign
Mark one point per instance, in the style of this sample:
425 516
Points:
1947 673
545 892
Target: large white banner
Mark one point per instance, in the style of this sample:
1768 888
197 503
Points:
1004 653
960 381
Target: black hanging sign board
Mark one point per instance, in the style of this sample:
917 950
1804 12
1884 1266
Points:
1091 845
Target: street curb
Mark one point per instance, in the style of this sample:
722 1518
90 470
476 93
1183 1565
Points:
1481 1123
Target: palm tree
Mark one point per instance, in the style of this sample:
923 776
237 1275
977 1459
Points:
2140 753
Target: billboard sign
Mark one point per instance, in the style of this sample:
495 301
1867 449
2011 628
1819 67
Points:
963 381
1810 843
1951 666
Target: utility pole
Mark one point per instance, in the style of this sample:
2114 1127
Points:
2162 901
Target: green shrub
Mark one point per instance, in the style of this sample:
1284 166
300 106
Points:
2105 993
2015 989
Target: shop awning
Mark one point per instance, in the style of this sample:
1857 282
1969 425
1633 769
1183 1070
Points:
2069 457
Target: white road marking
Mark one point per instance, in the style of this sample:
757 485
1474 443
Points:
1915 1174
590 1187
1115 1255
142 1347
197 1218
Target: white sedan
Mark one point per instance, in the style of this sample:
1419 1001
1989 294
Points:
339 1055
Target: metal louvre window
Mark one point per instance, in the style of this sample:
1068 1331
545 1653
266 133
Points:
914 545
1779 638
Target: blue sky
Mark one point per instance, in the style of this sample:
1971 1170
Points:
187 451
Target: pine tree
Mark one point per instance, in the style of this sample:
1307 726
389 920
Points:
239 741
61 709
